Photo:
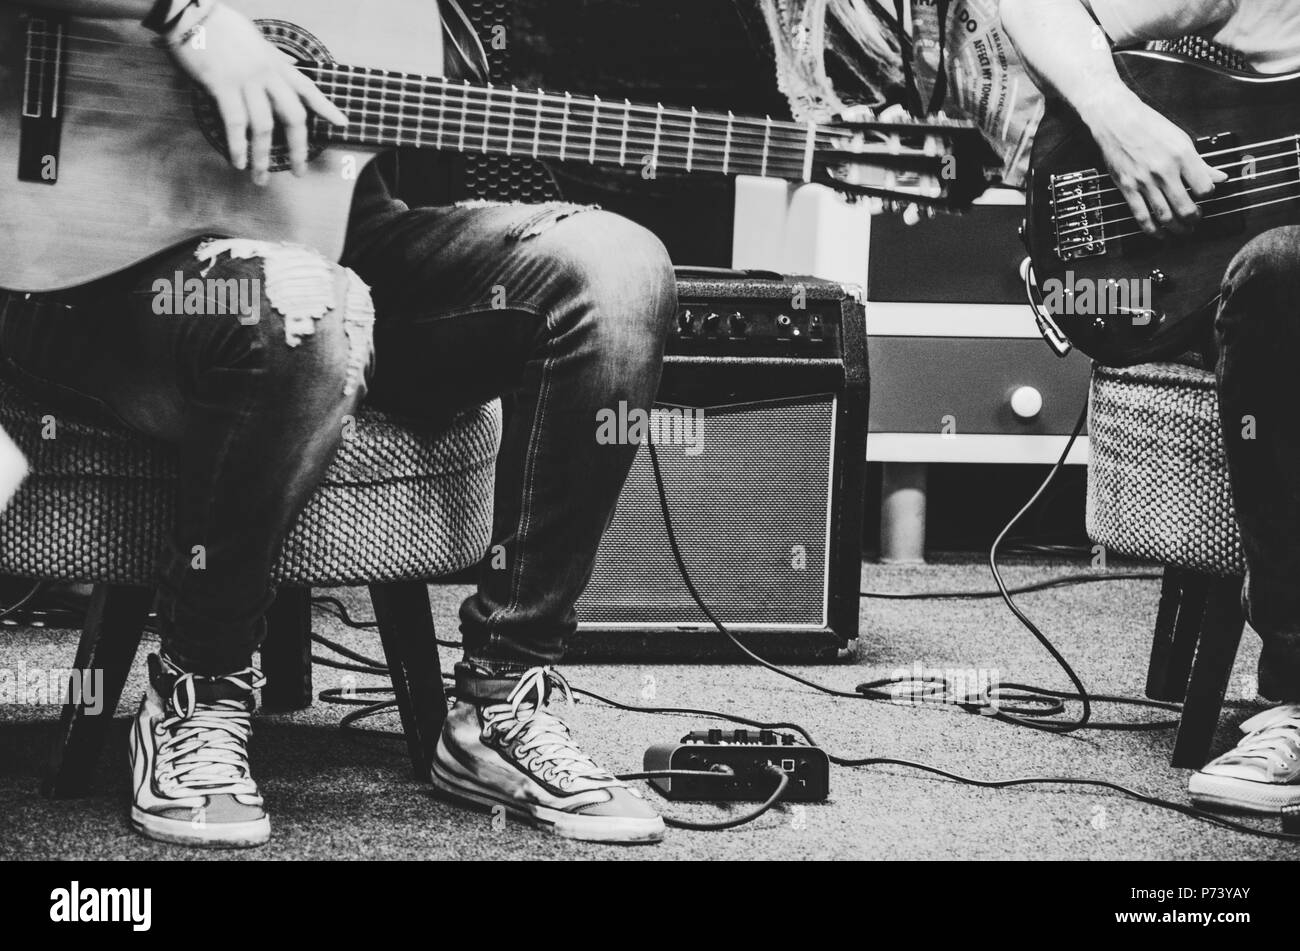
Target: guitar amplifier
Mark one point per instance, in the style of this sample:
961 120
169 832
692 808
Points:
761 437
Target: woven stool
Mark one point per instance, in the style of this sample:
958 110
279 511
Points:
1158 489
402 504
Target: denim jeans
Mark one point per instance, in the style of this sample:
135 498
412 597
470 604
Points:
1257 332
566 307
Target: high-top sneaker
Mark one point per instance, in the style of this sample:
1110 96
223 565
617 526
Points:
1262 772
501 746
189 759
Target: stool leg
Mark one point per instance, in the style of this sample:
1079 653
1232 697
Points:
286 653
114 623
1216 650
406 630
1178 626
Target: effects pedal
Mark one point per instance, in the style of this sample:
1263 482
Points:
747 753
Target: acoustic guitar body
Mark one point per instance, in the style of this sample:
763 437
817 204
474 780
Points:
1073 243
134 171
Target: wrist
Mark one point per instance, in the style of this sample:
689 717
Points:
163 15
1104 102
187 24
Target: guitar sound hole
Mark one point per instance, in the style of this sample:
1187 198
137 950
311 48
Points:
302 46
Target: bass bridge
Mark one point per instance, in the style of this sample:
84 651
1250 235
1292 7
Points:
1077 214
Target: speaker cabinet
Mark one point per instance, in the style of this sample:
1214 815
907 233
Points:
761 425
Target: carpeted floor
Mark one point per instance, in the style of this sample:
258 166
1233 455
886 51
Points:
338 796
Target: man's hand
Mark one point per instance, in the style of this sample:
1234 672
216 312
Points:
1151 160
254 85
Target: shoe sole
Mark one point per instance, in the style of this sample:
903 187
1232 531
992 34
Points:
1229 792
216 835
605 829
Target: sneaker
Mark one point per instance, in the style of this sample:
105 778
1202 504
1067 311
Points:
1262 773
189 760
501 746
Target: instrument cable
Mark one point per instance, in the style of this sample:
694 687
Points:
1007 706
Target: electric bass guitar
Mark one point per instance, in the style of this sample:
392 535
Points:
109 155
1123 297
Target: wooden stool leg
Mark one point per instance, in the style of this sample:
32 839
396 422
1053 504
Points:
286 653
114 623
1178 626
406 630
1216 650
1162 643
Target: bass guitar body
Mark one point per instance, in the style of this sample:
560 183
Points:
107 155
1123 297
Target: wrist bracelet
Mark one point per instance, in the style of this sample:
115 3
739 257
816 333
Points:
161 18
188 24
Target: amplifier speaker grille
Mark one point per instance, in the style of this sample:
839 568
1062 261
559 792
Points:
751 513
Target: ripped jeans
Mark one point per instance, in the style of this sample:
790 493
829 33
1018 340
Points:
568 310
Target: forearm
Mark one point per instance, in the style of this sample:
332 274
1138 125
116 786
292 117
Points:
107 9
1066 52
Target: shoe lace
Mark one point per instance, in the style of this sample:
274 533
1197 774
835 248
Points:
1274 737
205 750
539 739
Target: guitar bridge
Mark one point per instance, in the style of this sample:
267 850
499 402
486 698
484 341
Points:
1077 215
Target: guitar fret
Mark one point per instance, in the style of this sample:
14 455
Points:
537 126
57 72
464 114
564 126
767 140
690 141
595 111
487 117
441 121
510 124
31 111
726 148
627 116
808 151
659 128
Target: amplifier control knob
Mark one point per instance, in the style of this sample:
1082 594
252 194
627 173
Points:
738 324
686 323
1026 402
712 320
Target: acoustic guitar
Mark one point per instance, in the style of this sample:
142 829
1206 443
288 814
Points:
1123 297
108 154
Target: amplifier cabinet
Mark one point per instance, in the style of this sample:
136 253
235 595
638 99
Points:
766 501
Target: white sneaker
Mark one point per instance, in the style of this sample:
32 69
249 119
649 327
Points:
515 753
1260 774
189 760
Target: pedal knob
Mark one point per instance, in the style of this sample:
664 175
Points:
1026 402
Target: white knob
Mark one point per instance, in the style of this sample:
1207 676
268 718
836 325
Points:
1026 402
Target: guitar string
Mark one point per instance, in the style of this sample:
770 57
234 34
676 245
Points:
1222 214
780 167
1227 165
761 129
794 130
1294 139
1125 219
637 136
448 116
671 134
707 157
